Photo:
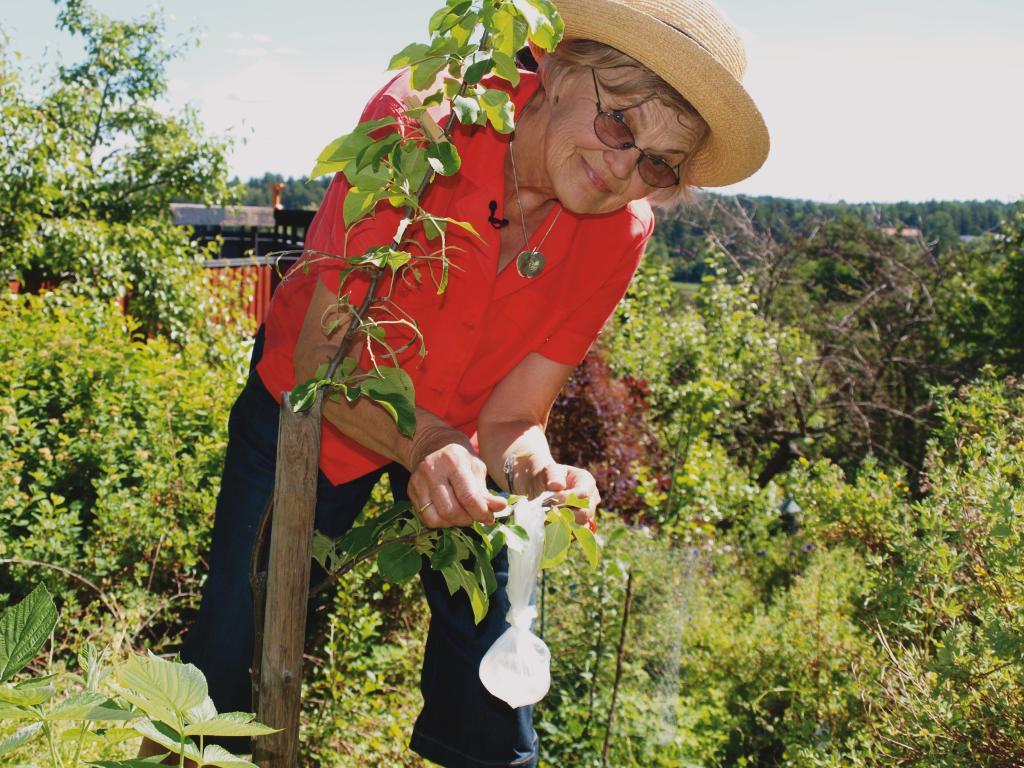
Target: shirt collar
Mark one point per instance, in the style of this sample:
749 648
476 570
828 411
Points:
483 160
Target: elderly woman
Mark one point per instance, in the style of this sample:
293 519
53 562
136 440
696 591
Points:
641 102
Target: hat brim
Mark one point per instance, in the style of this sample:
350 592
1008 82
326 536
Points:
738 141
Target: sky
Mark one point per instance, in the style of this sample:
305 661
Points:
878 100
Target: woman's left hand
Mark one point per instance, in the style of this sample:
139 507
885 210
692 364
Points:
563 479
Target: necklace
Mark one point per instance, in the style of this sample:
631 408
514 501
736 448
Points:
530 263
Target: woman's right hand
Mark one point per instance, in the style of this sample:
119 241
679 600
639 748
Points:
449 480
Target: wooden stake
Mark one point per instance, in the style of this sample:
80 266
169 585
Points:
291 541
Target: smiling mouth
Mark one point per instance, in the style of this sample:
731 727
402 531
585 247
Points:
595 179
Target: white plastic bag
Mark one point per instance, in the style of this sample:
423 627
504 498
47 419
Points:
517 668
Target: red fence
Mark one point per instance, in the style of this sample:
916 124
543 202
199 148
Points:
254 278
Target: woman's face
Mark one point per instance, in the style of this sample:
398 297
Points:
589 177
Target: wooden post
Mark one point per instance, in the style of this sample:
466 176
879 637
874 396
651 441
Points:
291 541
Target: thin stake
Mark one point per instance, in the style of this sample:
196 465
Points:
618 668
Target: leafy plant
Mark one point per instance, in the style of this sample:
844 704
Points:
384 165
163 700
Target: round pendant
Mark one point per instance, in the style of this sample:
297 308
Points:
530 263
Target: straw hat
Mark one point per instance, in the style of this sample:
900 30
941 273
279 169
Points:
694 48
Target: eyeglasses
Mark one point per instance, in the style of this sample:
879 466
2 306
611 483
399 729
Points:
613 132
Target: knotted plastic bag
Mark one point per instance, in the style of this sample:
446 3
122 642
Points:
517 668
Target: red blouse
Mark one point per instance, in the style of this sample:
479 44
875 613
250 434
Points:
485 323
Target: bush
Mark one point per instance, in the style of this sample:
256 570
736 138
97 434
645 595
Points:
112 447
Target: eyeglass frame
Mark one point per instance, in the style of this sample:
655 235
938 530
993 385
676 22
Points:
617 116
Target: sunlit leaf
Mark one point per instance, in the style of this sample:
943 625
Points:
89 705
229 724
588 544
164 684
26 697
556 543
499 109
24 629
19 737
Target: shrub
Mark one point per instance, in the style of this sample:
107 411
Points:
600 423
111 450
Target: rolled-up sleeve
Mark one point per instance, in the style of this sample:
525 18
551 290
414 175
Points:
571 341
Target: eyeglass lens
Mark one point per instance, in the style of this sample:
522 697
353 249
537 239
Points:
617 135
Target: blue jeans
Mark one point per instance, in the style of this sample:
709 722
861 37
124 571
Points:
461 724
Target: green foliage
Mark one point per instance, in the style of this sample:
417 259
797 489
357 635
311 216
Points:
169 699
361 692
982 313
89 166
385 162
681 232
110 449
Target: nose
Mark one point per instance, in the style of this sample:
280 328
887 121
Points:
620 162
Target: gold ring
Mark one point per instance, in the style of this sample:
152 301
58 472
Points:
423 509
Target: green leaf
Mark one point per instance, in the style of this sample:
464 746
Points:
167 737
505 67
467 110
457 577
399 561
447 15
433 226
340 152
444 158
478 601
424 73
205 711
499 109
444 553
368 179
546 26
373 153
451 576
476 72
357 539
382 256
588 544
484 572
393 390
411 160
357 204
214 754
408 55
19 737
162 685
323 550
26 697
89 705
556 543
23 631
304 394
139 762
12 712
576 502
229 724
